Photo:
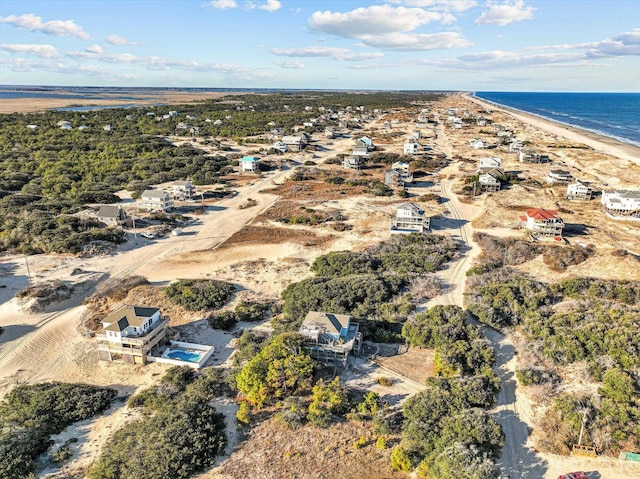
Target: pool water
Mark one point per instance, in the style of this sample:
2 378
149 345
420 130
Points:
191 357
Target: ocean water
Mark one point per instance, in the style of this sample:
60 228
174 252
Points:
616 115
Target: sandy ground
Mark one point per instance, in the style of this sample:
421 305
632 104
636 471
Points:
48 345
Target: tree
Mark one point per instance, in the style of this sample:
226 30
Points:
463 462
280 369
328 400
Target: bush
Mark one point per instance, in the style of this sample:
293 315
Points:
62 454
559 258
182 436
381 443
400 460
384 381
30 414
196 295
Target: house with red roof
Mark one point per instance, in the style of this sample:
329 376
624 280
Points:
543 222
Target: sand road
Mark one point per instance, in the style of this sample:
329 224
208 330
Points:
46 341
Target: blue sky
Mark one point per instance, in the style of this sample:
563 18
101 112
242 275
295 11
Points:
504 45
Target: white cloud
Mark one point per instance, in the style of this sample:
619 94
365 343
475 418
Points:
293 64
118 40
565 55
441 5
416 41
374 20
223 4
97 49
22 65
98 54
627 43
386 27
33 23
43 51
341 54
511 11
309 51
269 5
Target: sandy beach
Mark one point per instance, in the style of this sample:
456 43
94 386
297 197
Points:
601 143
261 256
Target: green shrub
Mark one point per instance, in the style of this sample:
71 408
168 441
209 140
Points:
62 454
31 414
182 436
196 294
400 460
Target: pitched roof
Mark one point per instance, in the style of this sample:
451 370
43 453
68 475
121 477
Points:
541 214
128 316
251 159
410 206
330 322
109 211
154 194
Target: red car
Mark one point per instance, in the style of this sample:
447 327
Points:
574 475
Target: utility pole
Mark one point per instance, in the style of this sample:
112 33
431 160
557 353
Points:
26 262
584 420
133 220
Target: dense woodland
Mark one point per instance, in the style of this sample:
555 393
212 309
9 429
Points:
48 174
575 321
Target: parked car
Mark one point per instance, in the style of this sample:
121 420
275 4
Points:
574 475
148 235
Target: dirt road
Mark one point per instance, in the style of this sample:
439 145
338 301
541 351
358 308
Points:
46 340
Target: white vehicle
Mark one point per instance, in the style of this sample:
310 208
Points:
176 232
148 235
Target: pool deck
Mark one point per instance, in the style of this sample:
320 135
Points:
173 345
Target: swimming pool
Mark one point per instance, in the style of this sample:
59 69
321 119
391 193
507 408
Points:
190 356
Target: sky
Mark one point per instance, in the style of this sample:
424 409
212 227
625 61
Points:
470 45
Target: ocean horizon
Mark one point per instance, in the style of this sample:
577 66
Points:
616 115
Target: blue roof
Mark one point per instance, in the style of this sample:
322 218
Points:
249 158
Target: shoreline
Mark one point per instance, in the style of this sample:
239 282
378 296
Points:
601 143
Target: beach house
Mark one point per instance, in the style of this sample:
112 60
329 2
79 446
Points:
155 200
527 155
409 218
366 141
183 190
394 178
360 150
490 163
131 332
579 190
559 176
412 148
541 222
488 182
621 204
331 337
477 143
403 169
250 164
352 162
112 215
294 142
